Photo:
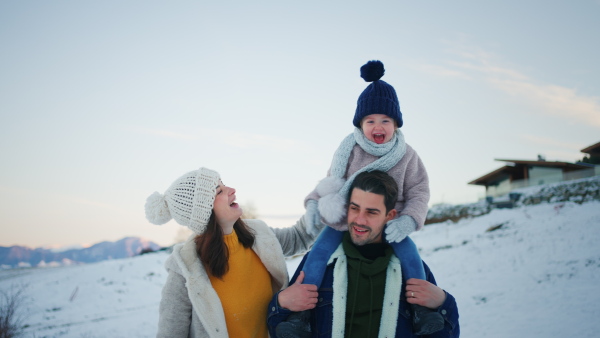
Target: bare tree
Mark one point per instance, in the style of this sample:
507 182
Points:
11 320
249 211
183 234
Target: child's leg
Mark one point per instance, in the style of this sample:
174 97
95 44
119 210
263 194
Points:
410 260
316 261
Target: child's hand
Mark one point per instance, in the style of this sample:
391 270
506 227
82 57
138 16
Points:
397 229
311 217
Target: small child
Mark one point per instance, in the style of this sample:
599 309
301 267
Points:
376 144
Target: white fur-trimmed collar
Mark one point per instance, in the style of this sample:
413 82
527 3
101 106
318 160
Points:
391 298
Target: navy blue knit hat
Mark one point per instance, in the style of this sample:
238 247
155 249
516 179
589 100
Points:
379 97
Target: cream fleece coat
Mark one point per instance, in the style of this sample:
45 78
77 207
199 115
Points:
190 306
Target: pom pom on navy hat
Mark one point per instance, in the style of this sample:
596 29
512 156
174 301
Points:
372 71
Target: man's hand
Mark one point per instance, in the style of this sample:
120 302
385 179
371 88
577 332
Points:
299 297
421 292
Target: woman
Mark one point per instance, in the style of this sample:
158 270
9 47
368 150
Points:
221 280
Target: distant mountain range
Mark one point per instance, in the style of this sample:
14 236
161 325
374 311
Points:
20 256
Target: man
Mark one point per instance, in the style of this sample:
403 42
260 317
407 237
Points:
363 293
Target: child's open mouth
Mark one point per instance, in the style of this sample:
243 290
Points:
378 138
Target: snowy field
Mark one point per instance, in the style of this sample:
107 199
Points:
536 275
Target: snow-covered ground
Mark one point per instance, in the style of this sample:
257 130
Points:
536 275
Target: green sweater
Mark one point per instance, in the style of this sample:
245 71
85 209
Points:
366 286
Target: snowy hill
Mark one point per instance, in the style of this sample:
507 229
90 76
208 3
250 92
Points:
531 271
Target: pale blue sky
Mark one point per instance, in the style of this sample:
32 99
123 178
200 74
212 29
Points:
103 103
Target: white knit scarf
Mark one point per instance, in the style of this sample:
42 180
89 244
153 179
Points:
389 153
334 188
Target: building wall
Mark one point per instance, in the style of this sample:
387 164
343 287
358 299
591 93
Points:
542 175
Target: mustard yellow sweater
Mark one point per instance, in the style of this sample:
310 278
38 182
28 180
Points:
245 291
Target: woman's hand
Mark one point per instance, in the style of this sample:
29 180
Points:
299 297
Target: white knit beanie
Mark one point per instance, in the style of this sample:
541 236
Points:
189 200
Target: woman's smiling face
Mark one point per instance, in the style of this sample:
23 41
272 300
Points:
225 208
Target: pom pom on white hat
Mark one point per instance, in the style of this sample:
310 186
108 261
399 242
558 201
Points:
189 200
157 210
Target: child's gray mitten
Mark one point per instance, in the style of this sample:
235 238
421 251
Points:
332 205
397 229
311 217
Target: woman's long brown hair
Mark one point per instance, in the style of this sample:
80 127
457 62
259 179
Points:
212 249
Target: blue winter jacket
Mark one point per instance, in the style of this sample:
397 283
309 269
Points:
322 315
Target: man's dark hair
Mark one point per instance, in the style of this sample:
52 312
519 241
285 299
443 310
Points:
377 182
